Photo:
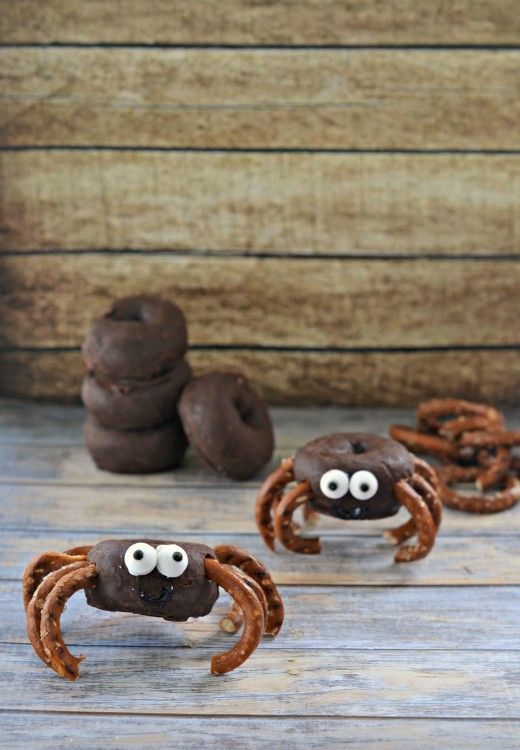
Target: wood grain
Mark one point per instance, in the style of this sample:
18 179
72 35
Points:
19 731
84 498
276 682
261 202
246 22
347 559
445 618
269 302
355 379
330 99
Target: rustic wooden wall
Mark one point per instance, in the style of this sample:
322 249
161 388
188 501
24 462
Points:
330 189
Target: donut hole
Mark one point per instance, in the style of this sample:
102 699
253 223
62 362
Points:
358 447
128 314
246 412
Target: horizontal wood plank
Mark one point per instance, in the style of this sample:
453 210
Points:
246 22
350 619
340 99
321 683
362 379
36 731
87 499
276 301
356 378
347 559
311 203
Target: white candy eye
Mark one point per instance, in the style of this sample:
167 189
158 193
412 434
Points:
363 485
140 559
172 560
334 484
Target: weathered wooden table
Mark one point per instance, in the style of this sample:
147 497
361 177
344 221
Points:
417 656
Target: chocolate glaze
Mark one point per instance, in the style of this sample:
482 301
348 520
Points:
387 459
146 404
138 337
135 451
189 595
228 423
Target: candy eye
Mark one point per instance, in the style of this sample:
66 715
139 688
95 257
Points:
172 560
140 559
334 484
363 485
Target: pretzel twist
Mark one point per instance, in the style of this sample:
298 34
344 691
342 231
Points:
60 658
269 497
229 554
230 580
46 563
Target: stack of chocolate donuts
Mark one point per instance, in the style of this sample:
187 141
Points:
136 371
138 421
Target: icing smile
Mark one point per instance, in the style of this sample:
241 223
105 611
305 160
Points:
165 596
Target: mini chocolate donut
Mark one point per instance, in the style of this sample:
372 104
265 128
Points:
138 337
343 456
135 451
228 424
146 404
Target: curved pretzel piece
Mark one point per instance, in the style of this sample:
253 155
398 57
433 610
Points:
430 413
425 442
35 606
480 503
269 497
424 481
496 469
58 655
284 526
47 563
229 554
234 619
418 509
491 439
234 584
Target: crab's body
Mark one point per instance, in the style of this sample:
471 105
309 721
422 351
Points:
174 581
351 476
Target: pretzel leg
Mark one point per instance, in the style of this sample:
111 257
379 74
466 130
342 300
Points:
47 563
424 482
284 527
424 523
35 606
269 497
58 655
234 619
229 554
234 584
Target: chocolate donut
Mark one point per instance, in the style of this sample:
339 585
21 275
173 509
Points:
349 453
138 337
135 451
191 594
146 404
228 424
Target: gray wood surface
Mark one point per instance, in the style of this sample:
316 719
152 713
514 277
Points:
372 654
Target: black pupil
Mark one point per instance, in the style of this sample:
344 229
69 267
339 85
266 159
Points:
364 487
333 486
138 554
177 556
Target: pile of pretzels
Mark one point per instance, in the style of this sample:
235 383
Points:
474 450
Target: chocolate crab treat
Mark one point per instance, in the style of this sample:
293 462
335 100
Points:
353 476
172 580
228 423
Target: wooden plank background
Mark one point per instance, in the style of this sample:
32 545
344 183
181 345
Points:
365 154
